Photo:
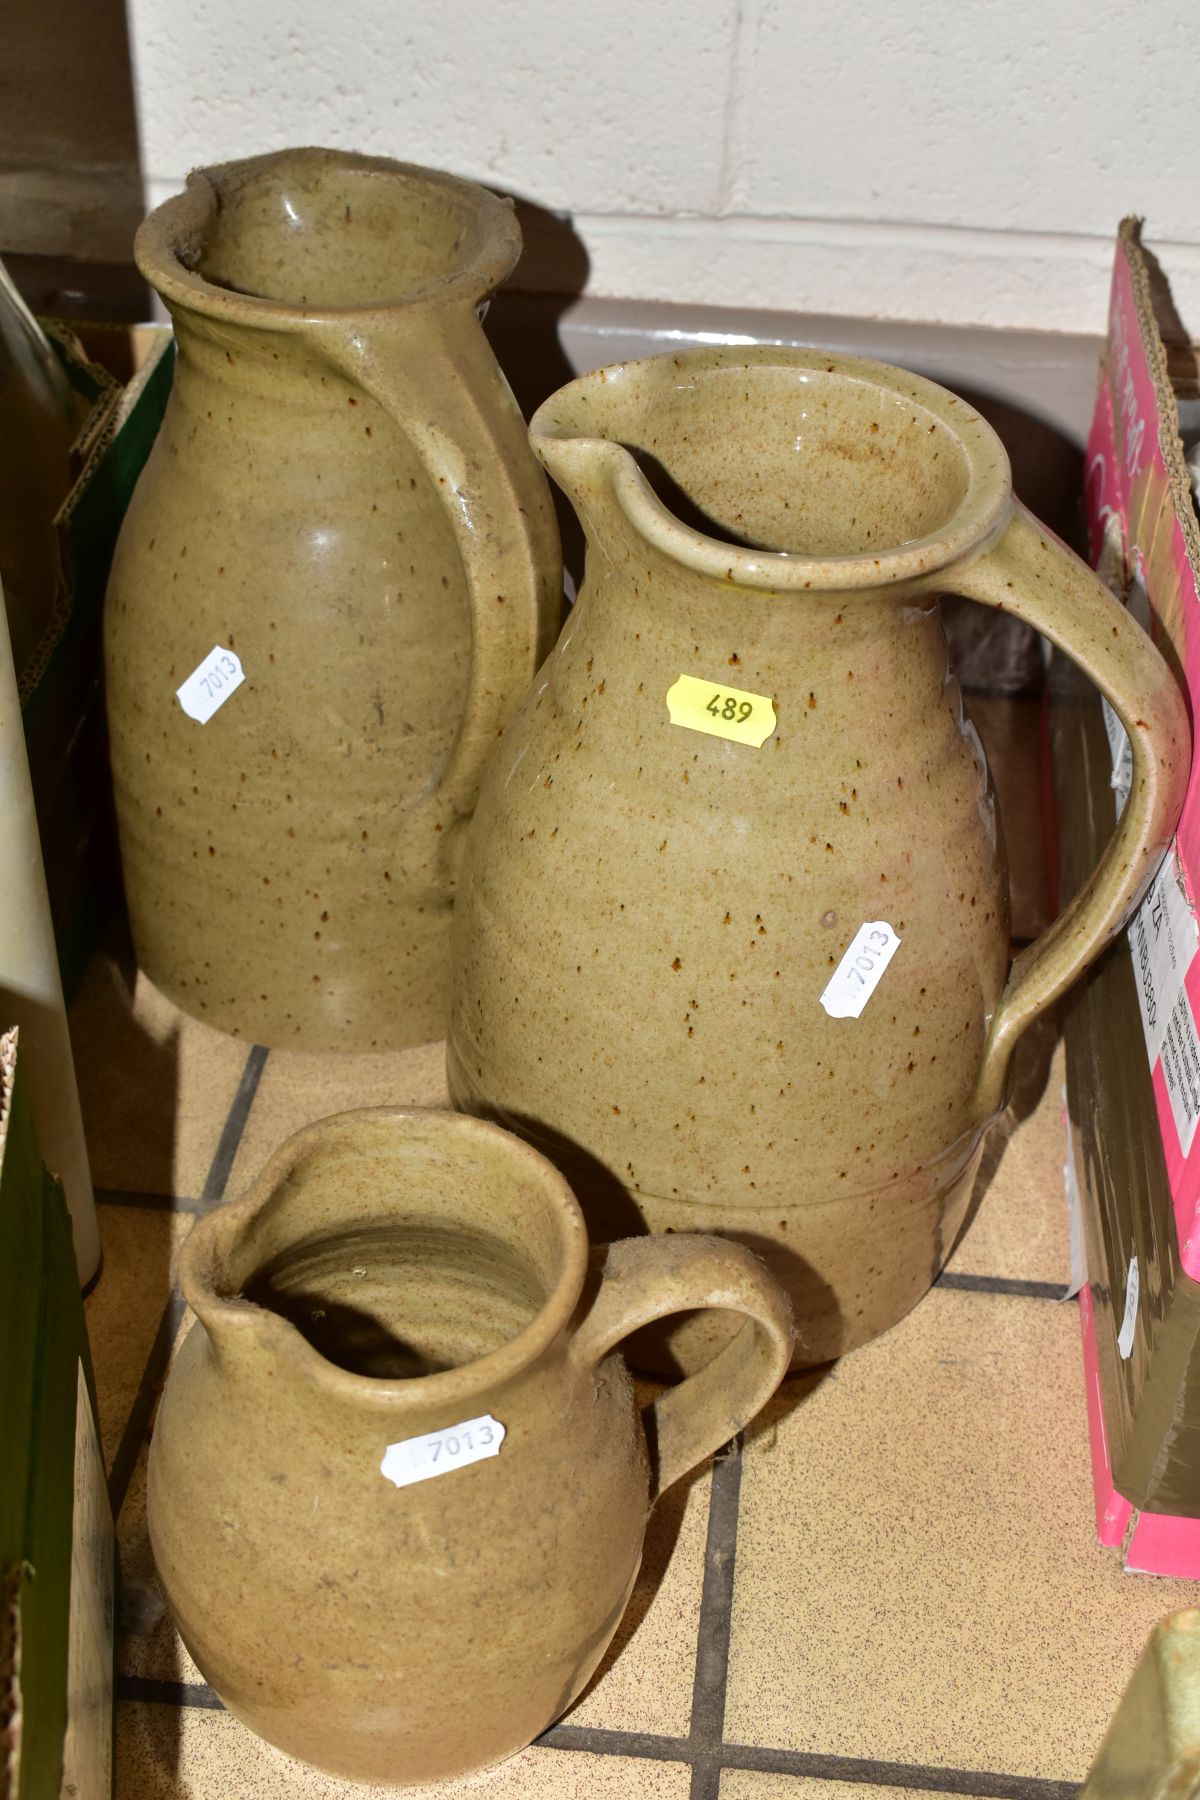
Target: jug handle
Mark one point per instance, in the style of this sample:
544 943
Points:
1030 573
446 392
647 1278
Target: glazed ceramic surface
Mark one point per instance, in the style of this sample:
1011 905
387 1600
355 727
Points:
342 498
779 523
396 1281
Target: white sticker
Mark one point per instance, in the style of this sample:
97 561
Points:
858 974
210 684
440 1452
1164 938
1181 1069
1122 756
1076 1242
1132 1289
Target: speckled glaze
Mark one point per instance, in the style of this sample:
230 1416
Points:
342 491
390 1274
782 521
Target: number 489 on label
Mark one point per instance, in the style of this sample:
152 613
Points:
720 711
729 708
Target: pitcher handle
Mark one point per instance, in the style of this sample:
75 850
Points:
448 395
645 1279
1033 575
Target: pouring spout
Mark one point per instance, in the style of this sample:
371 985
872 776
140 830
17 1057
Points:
780 469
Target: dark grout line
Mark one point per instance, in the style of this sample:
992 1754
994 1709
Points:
594 1739
1001 1284
235 1124
172 1203
716 1613
597 1740
137 1424
168 1693
986 1784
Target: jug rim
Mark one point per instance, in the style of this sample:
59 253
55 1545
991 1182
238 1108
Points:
215 1234
976 522
175 229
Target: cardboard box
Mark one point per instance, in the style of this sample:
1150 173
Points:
57 1548
1133 1047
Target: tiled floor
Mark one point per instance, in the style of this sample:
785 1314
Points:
893 1585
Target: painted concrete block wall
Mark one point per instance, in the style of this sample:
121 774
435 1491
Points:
893 158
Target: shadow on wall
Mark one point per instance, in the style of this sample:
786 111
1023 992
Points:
523 329
70 166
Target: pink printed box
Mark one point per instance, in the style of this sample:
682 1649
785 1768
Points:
1133 1043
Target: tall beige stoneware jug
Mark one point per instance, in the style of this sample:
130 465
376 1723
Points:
399 1480
764 986
344 554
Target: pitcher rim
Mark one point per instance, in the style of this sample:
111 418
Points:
976 522
167 231
415 1392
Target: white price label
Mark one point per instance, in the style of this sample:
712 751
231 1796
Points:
441 1452
1164 939
860 970
1122 756
210 684
1076 1243
1180 1054
1132 1290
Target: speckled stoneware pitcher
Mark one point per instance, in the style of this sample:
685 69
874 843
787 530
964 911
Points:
399 1480
765 987
338 574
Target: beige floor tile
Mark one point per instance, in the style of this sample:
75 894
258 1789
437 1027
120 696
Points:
190 1753
645 1681
750 1784
918 1578
1018 1225
123 1308
1011 733
155 1086
297 1088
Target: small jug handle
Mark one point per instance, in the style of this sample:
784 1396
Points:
1030 573
448 395
649 1277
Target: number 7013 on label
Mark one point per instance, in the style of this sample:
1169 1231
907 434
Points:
440 1452
210 684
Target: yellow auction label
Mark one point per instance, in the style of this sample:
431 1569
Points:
721 711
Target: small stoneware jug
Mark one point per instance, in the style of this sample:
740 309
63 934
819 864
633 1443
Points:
765 989
399 1480
338 573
